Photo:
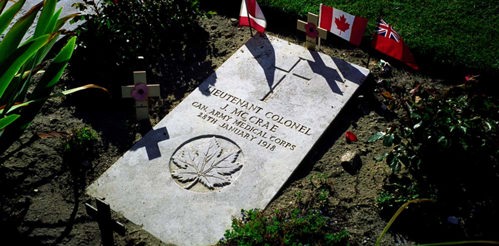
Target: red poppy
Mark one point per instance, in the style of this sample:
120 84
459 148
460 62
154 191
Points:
140 92
311 30
468 78
350 136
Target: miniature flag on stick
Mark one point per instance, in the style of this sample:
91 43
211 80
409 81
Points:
389 42
251 15
342 24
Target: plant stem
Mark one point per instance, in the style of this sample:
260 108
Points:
396 215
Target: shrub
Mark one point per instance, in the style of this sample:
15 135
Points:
299 227
447 143
82 143
309 223
120 31
80 149
22 93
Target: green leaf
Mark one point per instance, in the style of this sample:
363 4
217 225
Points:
7 17
42 53
7 120
48 28
487 126
63 93
84 87
63 20
380 157
452 128
417 125
12 39
2 5
393 162
43 25
15 61
464 129
55 70
53 22
442 140
376 136
388 139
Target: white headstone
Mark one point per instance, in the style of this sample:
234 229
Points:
231 144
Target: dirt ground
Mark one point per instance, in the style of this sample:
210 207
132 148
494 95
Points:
43 198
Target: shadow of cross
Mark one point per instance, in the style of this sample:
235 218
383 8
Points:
330 74
141 92
150 142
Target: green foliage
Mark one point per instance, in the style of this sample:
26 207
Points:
121 31
30 64
82 144
309 223
394 194
462 32
22 59
80 148
299 227
444 146
137 27
461 123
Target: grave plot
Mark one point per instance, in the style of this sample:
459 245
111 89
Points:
231 144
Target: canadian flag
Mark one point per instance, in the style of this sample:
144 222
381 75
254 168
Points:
342 24
251 15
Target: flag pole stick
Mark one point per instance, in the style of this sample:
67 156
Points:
372 37
248 15
368 59
320 10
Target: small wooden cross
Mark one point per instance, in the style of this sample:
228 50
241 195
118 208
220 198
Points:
106 224
310 28
141 92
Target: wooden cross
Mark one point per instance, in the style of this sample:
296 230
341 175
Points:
141 92
106 224
310 28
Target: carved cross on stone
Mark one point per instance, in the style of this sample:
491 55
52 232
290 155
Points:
141 92
310 28
287 73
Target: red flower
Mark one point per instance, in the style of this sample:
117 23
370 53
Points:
350 136
468 78
115 1
311 30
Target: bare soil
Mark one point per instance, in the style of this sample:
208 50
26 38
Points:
43 196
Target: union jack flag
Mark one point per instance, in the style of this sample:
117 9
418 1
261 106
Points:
387 31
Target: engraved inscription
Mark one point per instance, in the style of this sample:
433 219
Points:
206 163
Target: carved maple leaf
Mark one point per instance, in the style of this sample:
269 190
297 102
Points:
342 23
212 166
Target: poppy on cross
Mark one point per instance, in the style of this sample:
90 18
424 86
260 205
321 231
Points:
141 92
310 28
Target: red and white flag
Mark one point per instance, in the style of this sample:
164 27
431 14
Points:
251 15
389 42
342 24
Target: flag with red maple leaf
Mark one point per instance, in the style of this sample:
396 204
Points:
389 42
342 24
